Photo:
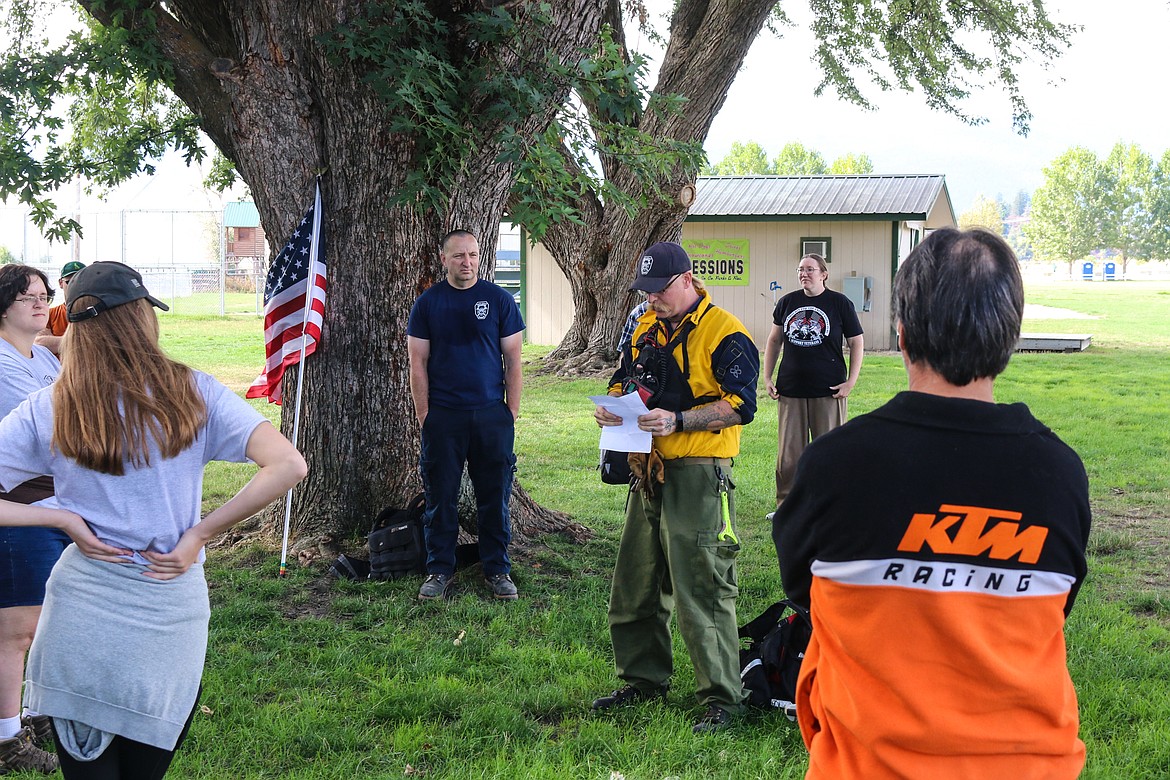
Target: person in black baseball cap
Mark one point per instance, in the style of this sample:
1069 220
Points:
125 432
113 284
658 265
695 366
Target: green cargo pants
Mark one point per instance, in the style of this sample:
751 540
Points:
670 557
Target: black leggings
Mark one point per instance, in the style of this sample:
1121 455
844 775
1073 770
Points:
123 759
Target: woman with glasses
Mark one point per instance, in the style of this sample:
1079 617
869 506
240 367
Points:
125 431
809 327
27 554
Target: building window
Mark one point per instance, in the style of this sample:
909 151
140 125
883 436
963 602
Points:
817 246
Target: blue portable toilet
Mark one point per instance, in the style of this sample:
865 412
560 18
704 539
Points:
1087 272
1110 272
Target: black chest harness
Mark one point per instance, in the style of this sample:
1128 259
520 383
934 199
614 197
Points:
657 376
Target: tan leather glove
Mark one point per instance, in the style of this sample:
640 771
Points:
648 471
655 468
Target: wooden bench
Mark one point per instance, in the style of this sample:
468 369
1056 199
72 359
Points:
1054 342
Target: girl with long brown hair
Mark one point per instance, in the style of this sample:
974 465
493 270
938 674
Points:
125 433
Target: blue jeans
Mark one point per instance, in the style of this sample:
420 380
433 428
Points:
483 439
27 555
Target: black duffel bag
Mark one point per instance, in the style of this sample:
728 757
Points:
396 541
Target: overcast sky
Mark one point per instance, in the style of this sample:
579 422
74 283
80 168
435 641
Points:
1114 87
1109 86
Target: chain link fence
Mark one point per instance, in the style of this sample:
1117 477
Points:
188 259
192 290
206 290
185 256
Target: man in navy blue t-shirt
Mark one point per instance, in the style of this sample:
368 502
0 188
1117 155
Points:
464 337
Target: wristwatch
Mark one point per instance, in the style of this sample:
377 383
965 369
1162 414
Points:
678 421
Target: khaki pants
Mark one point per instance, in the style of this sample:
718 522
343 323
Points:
801 421
671 560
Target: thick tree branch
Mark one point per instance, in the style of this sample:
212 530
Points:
612 15
705 53
195 82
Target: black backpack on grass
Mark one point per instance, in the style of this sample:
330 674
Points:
396 541
770 662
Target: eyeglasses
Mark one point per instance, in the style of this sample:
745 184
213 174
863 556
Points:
29 300
664 289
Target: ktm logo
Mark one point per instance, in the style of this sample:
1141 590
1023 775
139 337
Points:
963 530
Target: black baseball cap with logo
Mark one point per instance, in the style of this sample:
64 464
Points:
113 284
658 265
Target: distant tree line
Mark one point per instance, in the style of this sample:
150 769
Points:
1119 204
748 158
1006 217
1087 203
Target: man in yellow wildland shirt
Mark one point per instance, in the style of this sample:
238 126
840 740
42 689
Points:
696 368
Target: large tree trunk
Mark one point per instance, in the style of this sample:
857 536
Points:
266 93
599 274
708 42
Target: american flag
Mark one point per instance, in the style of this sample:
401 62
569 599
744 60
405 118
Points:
294 303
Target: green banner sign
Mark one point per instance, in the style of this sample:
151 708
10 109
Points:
719 261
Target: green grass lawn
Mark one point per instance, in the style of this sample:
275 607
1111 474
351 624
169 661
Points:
307 678
210 303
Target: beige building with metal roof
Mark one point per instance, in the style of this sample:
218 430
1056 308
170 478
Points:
746 235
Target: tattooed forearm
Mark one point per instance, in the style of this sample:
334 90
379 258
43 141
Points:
712 417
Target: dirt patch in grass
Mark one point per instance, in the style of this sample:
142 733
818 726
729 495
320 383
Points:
314 601
1138 536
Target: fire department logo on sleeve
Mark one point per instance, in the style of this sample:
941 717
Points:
808 326
647 264
481 310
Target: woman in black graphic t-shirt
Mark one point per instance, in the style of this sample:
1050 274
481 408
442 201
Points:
808 329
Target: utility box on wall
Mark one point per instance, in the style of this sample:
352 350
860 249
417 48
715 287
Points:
859 289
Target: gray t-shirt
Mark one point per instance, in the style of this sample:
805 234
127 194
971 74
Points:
20 376
149 507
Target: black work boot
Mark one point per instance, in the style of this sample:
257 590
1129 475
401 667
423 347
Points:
714 719
435 586
629 694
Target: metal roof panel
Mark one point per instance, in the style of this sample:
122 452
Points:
817 196
241 213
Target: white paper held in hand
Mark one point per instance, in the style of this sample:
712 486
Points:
627 437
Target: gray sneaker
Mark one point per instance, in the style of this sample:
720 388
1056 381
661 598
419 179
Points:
435 586
502 586
19 753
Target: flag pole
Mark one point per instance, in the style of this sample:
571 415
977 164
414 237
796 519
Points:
314 248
